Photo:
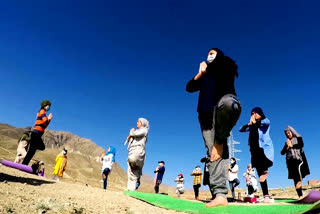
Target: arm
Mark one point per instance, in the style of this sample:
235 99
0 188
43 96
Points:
44 117
139 132
193 85
284 149
245 128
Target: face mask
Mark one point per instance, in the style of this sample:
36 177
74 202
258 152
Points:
231 162
211 58
48 109
64 152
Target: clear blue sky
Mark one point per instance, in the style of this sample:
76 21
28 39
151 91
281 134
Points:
104 64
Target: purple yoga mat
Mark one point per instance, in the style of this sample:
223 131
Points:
312 197
19 166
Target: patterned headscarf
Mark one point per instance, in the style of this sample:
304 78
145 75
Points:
295 152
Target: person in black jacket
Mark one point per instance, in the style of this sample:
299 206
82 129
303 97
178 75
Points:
218 111
296 160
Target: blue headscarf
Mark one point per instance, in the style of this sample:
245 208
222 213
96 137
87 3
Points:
113 152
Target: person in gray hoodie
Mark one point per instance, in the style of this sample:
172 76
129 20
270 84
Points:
137 140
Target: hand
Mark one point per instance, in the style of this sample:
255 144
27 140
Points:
289 143
132 130
252 120
203 67
50 116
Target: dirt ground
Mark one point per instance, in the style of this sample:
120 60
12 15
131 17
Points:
25 193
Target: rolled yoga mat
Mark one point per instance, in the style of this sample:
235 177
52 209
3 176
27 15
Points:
19 166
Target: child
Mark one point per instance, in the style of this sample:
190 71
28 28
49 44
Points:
233 176
261 147
61 165
107 161
296 160
23 145
137 140
180 186
159 176
218 112
251 181
196 181
42 122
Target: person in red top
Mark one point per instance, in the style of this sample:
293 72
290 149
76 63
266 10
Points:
41 124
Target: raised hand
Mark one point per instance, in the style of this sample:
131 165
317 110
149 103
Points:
50 116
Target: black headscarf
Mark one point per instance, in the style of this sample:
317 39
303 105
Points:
259 111
222 63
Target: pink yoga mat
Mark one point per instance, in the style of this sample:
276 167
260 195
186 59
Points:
19 166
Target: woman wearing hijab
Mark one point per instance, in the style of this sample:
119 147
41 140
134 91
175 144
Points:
218 112
107 161
137 142
233 176
295 158
61 164
261 147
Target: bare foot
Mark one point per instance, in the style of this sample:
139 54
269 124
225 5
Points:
264 176
299 184
300 197
216 152
218 201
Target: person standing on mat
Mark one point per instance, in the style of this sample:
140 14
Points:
218 112
41 124
107 161
296 160
159 176
251 181
233 176
261 147
197 174
137 140
180 185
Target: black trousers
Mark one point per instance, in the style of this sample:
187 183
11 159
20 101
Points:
196 190
36 143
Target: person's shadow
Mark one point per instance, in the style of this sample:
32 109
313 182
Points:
30 181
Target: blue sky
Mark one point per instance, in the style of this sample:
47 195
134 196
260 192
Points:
104 64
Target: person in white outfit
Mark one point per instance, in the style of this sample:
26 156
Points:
180 185
137 140
251 180
107 161
233 176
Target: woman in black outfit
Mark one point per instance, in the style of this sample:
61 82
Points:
296 160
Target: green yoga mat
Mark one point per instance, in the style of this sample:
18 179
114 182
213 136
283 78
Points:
169 202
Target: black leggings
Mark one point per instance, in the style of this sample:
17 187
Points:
36 143
196 190
264 185
105 174
299 191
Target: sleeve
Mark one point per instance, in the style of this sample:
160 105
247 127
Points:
65 166
193 85
245 128
284 149
139 132
300 143
265 123
44 117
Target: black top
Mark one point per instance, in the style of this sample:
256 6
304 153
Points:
215 83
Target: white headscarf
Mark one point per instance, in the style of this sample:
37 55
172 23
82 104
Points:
145 123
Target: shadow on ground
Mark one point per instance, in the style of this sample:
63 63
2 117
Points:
30 181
